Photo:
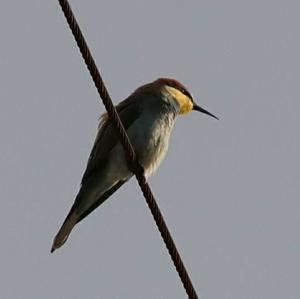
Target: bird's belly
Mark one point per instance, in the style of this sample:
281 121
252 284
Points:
150 140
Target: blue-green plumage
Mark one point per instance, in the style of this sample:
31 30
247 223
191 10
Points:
148 116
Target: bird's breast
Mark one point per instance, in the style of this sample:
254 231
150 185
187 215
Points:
150 137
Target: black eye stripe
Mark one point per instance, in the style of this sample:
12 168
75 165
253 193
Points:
185 92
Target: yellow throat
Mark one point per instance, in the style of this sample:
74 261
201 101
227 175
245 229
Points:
185 103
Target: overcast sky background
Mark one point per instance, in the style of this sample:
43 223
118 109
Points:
229 189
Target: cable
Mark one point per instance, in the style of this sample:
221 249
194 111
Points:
129 151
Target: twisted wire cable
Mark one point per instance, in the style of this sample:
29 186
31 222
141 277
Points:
129 150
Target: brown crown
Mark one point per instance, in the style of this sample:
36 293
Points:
175 84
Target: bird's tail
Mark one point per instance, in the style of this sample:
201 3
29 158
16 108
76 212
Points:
84 204
64 231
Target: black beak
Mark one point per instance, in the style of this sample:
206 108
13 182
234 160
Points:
198 108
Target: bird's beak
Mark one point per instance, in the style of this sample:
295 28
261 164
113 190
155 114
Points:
198 108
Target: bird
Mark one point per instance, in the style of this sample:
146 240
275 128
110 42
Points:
148 116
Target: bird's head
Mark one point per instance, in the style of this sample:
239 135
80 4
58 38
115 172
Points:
179 93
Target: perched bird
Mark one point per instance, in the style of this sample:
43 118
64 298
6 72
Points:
148 116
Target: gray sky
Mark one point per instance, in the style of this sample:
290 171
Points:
229 189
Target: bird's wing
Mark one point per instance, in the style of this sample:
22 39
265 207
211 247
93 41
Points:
105 141
101 199
129 111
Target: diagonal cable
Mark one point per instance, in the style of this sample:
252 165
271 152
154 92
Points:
129 151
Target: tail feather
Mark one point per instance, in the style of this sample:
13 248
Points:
64 231
79 211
